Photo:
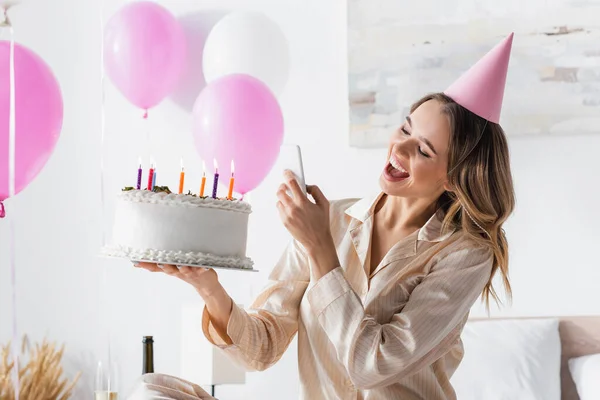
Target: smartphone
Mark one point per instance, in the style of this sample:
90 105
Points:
290 157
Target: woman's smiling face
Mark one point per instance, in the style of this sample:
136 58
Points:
417 162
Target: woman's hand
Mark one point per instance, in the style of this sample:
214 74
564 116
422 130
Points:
308 222
204 280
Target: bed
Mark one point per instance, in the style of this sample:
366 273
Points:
508 344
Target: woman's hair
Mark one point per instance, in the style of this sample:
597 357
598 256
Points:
481 184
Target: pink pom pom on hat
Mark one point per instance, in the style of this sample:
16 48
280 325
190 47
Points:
481 89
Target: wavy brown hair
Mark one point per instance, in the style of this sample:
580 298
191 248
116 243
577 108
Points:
481 181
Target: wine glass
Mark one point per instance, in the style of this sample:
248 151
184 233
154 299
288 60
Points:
106 386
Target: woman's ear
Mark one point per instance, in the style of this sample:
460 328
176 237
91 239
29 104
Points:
447 187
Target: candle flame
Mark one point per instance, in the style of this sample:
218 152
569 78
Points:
203 168
216 165
181 164
140 161
232 167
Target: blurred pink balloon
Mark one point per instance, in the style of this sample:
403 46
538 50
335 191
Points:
144 52
237 118
38 115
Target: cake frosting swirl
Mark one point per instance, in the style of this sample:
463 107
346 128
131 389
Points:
178 257
147 196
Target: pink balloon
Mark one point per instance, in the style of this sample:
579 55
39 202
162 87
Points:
237 118
144 52
38 115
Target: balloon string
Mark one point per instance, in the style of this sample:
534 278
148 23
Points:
13 286
102 126
147 128
105 284
151 288
11 193
146 123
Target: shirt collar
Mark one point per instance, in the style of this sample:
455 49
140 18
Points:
364 208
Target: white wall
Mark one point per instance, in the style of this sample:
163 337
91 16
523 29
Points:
59 220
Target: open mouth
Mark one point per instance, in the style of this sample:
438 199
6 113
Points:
394 171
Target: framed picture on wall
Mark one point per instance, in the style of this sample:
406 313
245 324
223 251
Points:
399 51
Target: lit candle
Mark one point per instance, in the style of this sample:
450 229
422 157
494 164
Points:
231 182
216 182
139 179
181 177
154 177
203 179
150 176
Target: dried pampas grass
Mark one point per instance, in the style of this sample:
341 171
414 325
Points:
40 376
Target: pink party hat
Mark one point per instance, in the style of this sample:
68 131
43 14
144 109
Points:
481 89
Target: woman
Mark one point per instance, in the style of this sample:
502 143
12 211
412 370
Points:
379 289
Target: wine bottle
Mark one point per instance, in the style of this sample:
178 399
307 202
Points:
148 349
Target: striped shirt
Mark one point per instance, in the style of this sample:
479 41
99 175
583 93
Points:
390 334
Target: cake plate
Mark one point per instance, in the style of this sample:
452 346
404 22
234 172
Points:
196 265
179 264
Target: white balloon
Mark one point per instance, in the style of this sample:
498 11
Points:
247 43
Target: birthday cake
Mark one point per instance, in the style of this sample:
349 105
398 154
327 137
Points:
182 229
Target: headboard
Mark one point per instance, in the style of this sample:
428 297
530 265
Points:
579 336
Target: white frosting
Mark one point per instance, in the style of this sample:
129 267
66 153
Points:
173 199
178 257
174 228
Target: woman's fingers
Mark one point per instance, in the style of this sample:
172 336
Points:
282 212
283 196
316 194
187 270
152 267
292 184
192 275
155 267
195 275
169 269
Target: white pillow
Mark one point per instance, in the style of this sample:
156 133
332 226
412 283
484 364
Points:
585 371
508 360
